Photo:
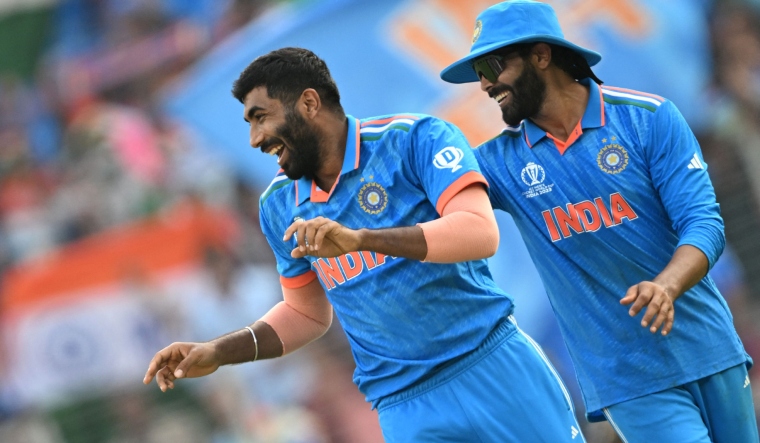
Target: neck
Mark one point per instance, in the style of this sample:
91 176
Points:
563 107
333 150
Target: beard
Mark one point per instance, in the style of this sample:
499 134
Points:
527 97
303 144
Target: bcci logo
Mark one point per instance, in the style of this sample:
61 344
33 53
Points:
612 159
448 158
476 32
533 174
373 198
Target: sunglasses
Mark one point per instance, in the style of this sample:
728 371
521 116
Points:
489 67
492 65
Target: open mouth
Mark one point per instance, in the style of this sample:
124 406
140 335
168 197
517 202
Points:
501 96
275 150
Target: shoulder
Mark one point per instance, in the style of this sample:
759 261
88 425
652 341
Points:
498 143
634 101
375 128
274 193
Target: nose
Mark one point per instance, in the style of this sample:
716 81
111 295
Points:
256 137
485 85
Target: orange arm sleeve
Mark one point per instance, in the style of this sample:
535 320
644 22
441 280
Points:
303 316
467 229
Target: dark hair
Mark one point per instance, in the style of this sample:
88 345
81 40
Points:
286 73
572 63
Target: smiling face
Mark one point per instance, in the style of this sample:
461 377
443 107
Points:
282 131
518 90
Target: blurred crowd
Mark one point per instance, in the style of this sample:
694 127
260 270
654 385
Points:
85 147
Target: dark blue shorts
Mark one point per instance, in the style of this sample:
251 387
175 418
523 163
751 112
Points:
504 391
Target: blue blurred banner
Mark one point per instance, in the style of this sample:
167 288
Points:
386 56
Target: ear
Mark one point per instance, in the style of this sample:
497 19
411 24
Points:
310 103
541 55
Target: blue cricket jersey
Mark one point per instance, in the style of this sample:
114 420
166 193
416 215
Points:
404 319
606 210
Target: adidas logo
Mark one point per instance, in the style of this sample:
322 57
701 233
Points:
695 163
575 432
746 381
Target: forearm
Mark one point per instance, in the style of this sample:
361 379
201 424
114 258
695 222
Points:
408 242
687 267
467 230
239 346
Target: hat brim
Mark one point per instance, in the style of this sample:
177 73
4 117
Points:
462 71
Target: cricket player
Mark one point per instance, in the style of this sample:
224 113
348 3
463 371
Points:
610 192
387 222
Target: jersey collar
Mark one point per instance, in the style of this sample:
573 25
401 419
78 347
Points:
307 190
593 116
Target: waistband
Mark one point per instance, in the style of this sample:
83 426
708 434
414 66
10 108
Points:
495 338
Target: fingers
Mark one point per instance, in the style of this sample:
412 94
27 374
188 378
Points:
305 233
630 295
665 318
171 363
165 379
157 362
640 295
188 362
659 306
322 231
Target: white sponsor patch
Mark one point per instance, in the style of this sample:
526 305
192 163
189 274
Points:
448 158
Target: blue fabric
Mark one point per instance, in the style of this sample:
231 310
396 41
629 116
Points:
717 408
403 318
510 23
476 400
608 214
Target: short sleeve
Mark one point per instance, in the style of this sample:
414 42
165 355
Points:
442 159
289 268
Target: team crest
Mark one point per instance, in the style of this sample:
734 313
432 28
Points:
612 159
476 32
373 198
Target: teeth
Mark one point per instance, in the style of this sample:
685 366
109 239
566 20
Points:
276 150
501 96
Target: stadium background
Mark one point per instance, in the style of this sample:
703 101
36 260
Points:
128 194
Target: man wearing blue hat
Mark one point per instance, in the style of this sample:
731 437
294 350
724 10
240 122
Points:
610 191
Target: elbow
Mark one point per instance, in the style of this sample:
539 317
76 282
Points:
492 239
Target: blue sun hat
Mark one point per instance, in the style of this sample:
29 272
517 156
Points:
509 23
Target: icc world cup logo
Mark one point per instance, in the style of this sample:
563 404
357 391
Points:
533 174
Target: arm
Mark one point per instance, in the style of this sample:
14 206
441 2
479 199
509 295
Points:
303 316
467 230
689 200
